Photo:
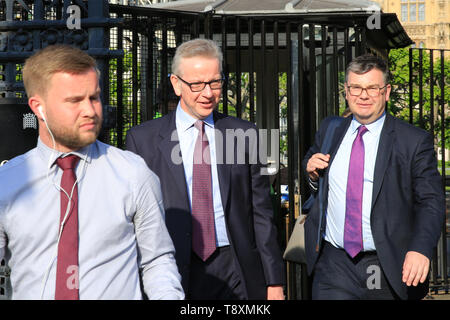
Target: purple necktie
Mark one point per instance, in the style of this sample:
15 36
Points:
353 242
203 233
67 263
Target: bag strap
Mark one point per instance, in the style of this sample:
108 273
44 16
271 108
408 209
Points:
324 148
329 134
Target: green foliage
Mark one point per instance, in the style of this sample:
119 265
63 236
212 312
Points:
127 92
399 104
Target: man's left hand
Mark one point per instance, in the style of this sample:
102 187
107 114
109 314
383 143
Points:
275 293
415 268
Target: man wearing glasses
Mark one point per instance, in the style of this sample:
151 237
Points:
218 209
384 207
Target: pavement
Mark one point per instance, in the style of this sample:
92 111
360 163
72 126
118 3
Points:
439 296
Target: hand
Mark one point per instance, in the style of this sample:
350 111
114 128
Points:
318 161
275 293
415 268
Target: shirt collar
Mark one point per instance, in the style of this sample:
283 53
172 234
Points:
186 121
374 127
50 155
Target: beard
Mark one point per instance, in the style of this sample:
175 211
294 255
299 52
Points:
72 138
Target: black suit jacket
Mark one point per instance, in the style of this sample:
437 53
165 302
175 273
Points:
408 203
245 198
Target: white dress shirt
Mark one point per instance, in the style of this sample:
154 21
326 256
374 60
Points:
187 135
121 225
337 181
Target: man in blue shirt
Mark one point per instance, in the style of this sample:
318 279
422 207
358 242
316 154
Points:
384 207
91 227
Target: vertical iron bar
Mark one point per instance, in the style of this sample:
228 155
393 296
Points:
134 77
431 93
435 251
276 88
444 227
150 92
119 70
164 69
179 33
323 89
252 66
291 155
207 26
312 78
238 69
411 96
276 110
335 68
363 47
305 294
196 31
263 111
224 66
347 48
357 42
421 123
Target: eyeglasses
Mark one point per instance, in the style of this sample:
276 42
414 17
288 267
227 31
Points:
199 86
371 91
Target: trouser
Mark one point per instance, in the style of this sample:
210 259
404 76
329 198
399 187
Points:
339 277
216 278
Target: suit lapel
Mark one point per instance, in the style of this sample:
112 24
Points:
223 169
169 144
338 137
383 155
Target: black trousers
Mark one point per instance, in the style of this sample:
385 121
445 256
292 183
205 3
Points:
216 278
339 277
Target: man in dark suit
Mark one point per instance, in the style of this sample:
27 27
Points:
383 198
218 211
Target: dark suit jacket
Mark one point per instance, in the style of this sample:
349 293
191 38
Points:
245 198
408 204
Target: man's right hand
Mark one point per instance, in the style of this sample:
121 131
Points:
318 161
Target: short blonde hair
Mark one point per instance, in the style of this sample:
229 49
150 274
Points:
196 48
40 67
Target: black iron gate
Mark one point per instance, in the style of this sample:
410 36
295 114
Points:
429 108
284 73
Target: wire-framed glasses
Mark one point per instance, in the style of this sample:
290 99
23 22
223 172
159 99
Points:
371 91
199 86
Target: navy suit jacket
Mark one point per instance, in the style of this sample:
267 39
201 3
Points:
408 203
245 198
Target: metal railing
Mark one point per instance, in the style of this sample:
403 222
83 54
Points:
429 98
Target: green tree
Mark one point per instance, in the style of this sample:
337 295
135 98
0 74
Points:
399 103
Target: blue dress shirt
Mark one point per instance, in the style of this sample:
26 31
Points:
337 181
121 225
187 135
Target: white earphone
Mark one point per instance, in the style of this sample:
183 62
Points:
41 112
68 195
